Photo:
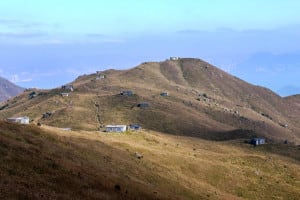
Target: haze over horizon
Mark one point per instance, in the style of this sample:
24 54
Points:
48 43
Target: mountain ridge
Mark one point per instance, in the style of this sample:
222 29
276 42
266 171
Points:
204 102
8 89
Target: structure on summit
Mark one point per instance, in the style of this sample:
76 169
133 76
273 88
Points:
100 75
174 58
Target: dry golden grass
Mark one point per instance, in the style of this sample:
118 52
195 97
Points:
191 168
51 163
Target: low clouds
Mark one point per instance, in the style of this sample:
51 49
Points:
21 35
9 22
279 40
14 23
96 35
100 38
38 79
20 79
19 32
13 31
269 69
261 69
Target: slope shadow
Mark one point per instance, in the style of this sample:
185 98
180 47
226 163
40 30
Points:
228 135
286 150
272 147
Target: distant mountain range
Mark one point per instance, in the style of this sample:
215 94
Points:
276 71
8 89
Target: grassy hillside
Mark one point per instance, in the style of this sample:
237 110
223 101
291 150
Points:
49 163
204 102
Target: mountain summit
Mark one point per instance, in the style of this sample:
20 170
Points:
8 89
199 100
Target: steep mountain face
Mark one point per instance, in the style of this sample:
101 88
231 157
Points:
203 101
8 89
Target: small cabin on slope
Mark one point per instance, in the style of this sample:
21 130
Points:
19 120
126 93
164 94
258 141
32 95
115 128
143 105
64 94
68 88
134 127
101 76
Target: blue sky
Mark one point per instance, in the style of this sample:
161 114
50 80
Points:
48 43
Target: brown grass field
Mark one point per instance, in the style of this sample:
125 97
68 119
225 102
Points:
49 163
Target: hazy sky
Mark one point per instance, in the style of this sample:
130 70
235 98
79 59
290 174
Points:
48 43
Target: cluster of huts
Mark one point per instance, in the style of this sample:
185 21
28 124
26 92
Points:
120 128
66 88
135 127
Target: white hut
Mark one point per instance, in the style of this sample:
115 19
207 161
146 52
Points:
64 94
115 128
19 120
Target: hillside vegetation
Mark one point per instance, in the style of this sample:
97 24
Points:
203 102
49 163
